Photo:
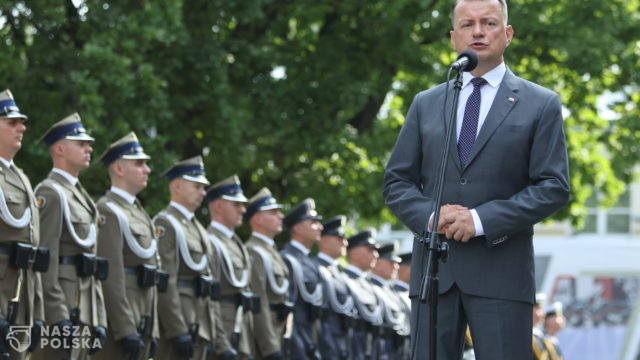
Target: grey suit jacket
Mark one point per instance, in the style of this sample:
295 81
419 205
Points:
516 176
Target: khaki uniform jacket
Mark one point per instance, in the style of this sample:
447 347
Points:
18 197
126 303
239 257
268 329
179 307
63 289
543 348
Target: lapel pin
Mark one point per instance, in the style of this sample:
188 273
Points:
511 99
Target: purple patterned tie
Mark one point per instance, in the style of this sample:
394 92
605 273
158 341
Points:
470 122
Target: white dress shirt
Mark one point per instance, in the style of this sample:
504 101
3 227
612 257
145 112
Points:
123 194
72 179
264 238
296 244
356 270
327 258
183 210
6 162
225 230
487 95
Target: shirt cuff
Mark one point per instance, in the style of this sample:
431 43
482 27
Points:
430 220
477 223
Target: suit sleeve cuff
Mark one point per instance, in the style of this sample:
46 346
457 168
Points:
477 223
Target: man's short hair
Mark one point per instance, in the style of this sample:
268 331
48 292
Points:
503 5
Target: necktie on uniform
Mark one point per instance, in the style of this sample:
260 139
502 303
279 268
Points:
86 198
14 170
469 128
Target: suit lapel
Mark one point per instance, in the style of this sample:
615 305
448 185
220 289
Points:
453 148
88 201
505 100
13 177
27 188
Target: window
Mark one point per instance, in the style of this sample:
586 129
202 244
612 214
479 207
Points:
614 220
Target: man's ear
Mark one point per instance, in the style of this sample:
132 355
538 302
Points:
510 33
215 205
57 148
118 168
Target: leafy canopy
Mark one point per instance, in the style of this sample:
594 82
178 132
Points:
303 96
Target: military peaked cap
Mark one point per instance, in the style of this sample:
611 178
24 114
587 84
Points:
386 252
228 189
8 107
362 238
304 210
68 128
127 147
261 201
334 226
190 169
405 258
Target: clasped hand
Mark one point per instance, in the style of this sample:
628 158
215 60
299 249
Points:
456 222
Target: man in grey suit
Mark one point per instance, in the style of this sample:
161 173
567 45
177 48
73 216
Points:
507 172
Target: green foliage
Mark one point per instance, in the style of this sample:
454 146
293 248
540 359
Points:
305 97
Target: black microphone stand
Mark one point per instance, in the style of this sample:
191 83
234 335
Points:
436 250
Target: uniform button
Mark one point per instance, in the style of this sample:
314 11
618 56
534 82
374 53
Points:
463 181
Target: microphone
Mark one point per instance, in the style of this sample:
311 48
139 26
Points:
467 61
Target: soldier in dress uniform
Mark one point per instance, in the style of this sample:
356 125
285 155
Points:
363 254
20 285
338 311
269 275
225 201
554 322
189 311
401 287
386 270
543 348
126 237
303 223
68 227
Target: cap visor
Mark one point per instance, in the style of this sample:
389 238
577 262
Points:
141 156
239 197
82 137
15 115
335 233
270 207
199 179
312 217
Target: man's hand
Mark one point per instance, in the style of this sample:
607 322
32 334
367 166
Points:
457 223
133 345
36 335
445 217
99 333
184 345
